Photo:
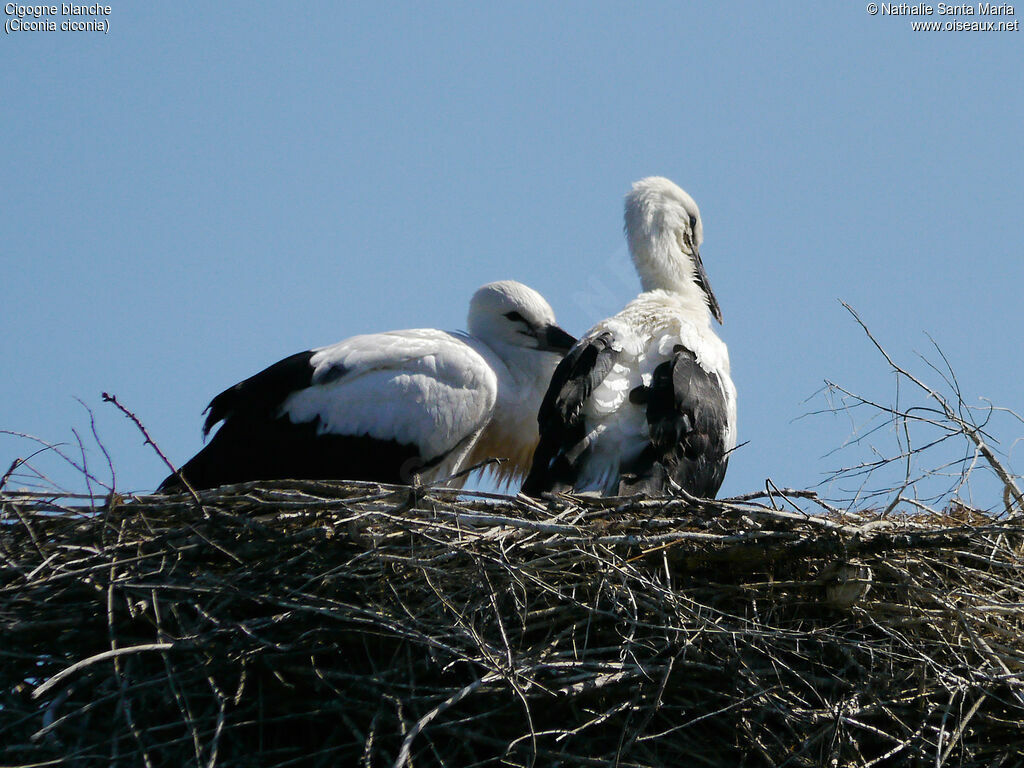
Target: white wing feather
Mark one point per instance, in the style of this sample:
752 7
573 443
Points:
422 387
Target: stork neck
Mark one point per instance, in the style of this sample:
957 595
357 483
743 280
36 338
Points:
675 278
515 366
663 267
691 301
659 262
674 281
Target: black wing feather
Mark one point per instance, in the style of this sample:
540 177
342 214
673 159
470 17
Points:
686 417
575 378
263 393
254 447
256 442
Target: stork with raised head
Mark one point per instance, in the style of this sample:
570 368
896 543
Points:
393 407
644 400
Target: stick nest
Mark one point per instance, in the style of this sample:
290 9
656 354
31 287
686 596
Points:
315 624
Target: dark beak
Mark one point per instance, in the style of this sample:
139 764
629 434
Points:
705 284
554 339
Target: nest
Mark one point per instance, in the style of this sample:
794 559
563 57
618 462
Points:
314 624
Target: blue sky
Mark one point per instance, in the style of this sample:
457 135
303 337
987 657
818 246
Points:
210 187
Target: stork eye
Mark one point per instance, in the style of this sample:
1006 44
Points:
693 221
515 317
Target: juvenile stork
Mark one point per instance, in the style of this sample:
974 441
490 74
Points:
644 400
395 406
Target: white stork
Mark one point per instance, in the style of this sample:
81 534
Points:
395 406
644 399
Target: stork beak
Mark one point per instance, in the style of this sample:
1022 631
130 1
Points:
554 339
705 284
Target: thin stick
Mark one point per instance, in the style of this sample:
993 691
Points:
79 665
108 398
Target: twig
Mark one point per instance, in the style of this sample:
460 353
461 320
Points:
108 398
969 430
79 665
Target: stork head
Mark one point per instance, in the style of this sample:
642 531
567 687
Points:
664 231
511 313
